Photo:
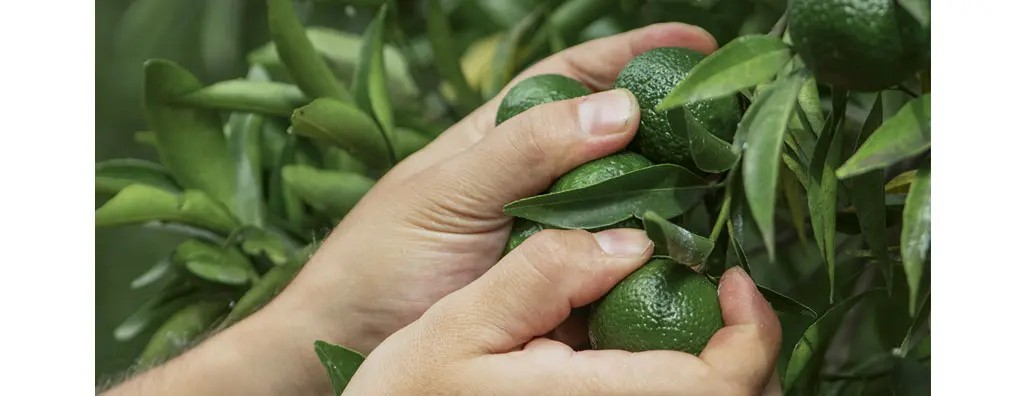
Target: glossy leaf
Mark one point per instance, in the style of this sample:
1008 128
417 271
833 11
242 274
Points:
153 274
666 189
792 193
370 83
915 239
341 52
114 175
783 303
919 9
744 62
137 204
268 287
215 263
676 242
166 302
283 200
341 363
709 153
920 328
868 195
822 189
305 66
906 134
807 355
245 141
734 225
181 330
333 193
763 127
901 183
446 60
275 246
190 141
264 97
345 126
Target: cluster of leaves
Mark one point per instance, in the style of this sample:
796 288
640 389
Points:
256 171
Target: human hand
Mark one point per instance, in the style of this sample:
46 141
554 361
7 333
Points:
434 223
486 337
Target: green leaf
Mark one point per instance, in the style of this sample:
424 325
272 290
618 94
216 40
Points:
340 160
911 378
919 9
140 203
215 263
504 61
764 126
676 242
264 97
900 184
791 192
283 201
268 286
341 363
306 67
181 330
735 223
806 358
147 138
345 126
166 302
190 141
446 59
920 328
114 175
666 189
333 193
744 62
868 195
783 303
274 246
823 186
245 141
341 52
906 134
915 239
370 84
709 153
408 142
153 274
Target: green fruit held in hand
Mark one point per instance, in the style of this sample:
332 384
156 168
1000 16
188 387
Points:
663 305
652 75
537 90
521 229
861 45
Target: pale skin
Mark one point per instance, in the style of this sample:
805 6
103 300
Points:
413 277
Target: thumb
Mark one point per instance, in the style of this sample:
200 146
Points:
530 291
522 156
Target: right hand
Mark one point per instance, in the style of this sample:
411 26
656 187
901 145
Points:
487 338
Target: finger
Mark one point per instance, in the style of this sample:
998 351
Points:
573 331
744 351
596 63
530 291
525 154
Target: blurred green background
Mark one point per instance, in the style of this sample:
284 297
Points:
211 38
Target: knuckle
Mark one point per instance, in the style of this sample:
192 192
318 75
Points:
553 252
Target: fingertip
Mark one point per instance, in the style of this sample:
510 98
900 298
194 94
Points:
677 34
741 302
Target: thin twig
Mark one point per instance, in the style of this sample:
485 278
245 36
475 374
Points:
780 25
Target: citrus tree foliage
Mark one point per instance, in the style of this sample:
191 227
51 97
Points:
823 195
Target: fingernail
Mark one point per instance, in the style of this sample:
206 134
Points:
624 242
607 113
736 272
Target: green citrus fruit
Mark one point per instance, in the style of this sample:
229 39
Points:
537 90
663 305
652 75
861 45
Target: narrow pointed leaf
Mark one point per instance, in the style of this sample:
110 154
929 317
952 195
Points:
906 134
920 328
919 9
269 285
666 189
709 153
806 358
153 274
868 195
822 189
345 126
504 61
333 193
190 141
370 83
215 263
764 126
408 142
340 160
783 303
181 330
275 246
915 239
446 60
791 192
341 363
245 141
676 242
742 63
166 302
734 225
137 204
264 97
305 66
901 183
114 175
